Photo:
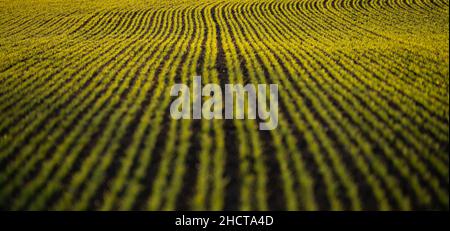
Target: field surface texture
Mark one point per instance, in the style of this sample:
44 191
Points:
363 105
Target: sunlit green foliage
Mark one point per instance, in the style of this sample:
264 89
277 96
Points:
84 102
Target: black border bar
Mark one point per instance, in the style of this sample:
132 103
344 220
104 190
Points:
284 220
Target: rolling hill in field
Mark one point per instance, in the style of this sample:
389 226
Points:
363 105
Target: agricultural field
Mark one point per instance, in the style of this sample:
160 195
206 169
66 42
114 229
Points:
363 118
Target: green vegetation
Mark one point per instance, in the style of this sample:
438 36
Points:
363 111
